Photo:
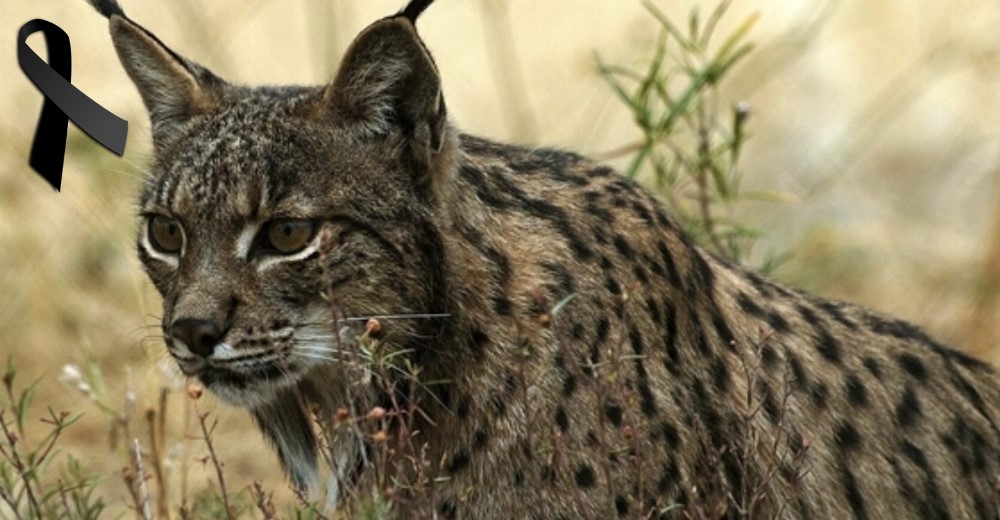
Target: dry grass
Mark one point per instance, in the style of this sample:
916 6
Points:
875 125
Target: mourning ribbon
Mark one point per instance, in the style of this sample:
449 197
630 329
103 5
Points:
63 102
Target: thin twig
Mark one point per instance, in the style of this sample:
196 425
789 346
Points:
141 481
207 432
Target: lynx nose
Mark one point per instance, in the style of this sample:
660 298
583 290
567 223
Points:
200 336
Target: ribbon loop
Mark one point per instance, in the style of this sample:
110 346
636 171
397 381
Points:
63 102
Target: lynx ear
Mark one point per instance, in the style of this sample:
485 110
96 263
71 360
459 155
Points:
388 84
172 88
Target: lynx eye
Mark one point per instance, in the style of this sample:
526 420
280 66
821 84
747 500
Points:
287 235
165 234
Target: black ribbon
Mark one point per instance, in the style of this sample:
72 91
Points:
63 102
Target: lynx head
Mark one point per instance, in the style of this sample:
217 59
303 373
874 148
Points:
271 210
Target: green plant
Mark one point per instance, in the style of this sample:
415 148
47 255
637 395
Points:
689 147
35 482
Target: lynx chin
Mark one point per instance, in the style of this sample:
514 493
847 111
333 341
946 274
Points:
479 330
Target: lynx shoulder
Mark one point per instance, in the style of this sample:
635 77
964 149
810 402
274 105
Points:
547 342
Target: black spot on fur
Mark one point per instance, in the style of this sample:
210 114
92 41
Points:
662 218
856 393
749 306
647 401
700 340
720 375
576 332
479 339
852 492
826 344
447 509
801 378
896 328
932 504
462 411
912 365
834 311
670 475
601 171
479 439
795 441
501 305
483 190
723 330
873 367
603 328
562 421
778 322
642 213
569 385
672 361
668 264
585 477
621 505
635 339
640 274
614 414
908 410
819 393
965 443
623 247
654 311
705 273
458 461
847 437
605 216
768 401
768 356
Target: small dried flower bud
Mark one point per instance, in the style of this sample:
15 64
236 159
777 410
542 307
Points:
372 326
376 413
380 437
194 391
341 415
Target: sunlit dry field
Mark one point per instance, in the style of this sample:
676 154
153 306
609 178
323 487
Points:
872 168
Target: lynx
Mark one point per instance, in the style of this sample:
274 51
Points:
578 355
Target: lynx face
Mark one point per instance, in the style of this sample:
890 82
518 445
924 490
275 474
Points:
276 220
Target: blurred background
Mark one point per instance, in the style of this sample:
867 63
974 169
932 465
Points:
871 166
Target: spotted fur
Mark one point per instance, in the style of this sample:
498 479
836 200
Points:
667 377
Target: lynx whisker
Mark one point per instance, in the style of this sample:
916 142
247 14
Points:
395 317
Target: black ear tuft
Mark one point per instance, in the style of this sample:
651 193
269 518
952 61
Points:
108 8
414 8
